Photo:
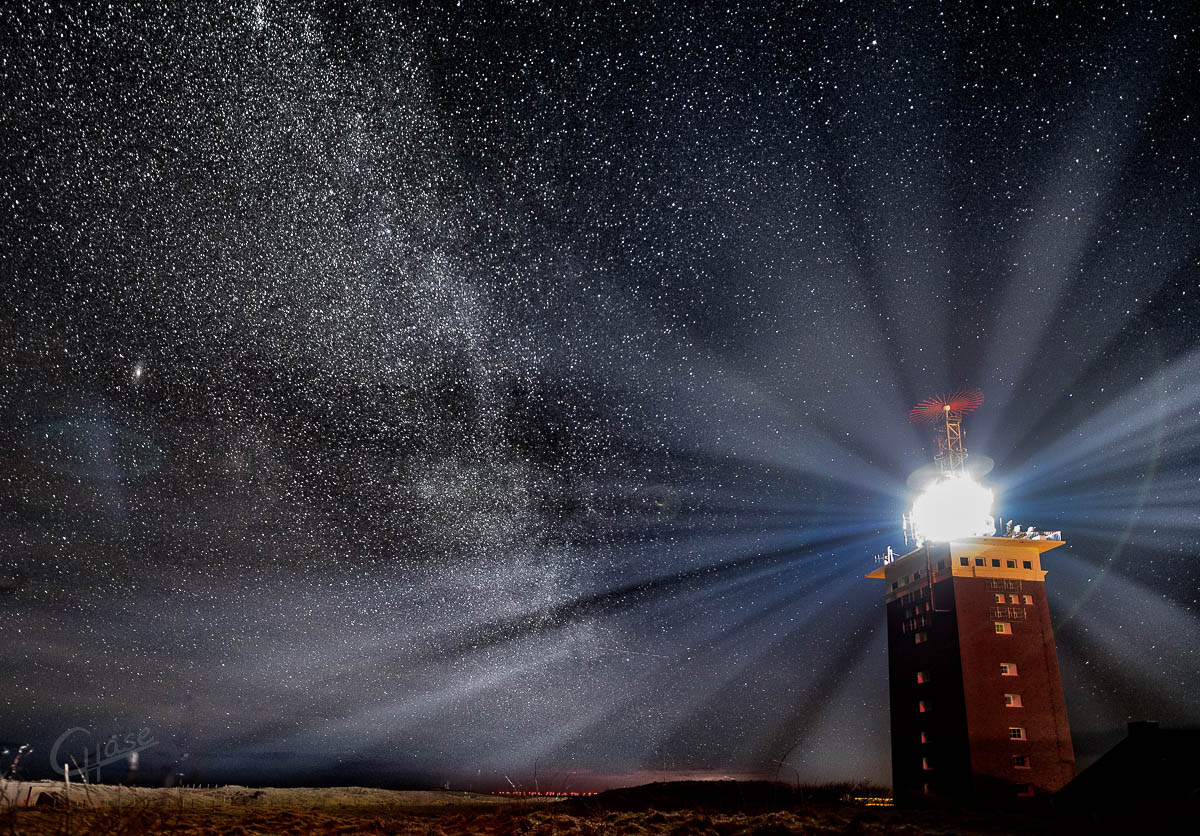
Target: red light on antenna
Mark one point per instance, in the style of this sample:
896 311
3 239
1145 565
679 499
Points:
959 401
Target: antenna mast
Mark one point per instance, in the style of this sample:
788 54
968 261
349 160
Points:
946 412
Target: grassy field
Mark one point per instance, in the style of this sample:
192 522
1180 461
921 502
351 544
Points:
508 819
725 808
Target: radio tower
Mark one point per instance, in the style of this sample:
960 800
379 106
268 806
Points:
947 411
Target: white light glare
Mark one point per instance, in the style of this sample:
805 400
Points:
953 508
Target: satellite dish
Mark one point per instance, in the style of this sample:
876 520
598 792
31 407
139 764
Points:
976 466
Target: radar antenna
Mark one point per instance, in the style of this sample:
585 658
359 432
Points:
946 413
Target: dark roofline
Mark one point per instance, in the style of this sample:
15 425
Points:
1151 762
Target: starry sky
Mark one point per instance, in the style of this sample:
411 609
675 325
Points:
517 392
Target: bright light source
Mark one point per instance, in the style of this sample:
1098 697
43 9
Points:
951 508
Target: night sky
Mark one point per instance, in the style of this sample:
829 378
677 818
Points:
487 392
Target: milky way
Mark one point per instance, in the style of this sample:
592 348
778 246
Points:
477 393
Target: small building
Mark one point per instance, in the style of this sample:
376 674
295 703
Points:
1151 774
15 794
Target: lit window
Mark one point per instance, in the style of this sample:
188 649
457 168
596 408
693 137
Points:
1003 628
1014 598
924 737
1022 762
922 677
1025 791
1028 599
923 706
1028 564
1012 700
1016 733
999 598
964 561
1008 669
927 790
1012 564
920 637
925 764
979 561
995 563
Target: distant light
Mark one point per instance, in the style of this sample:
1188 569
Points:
951 508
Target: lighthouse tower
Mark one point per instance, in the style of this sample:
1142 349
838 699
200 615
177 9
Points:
977 706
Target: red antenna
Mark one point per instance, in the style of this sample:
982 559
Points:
948 411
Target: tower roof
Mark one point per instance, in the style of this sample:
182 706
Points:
987 546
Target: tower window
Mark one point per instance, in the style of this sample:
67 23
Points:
925 764
1008 669
1028 599
923 706
964 561
895 584
999 598
1003 628
1013 598
995 563
1012 700
922 677
1016 733
1012 564
920 637
1025 791
924 737
1028 564
979 561
1022 762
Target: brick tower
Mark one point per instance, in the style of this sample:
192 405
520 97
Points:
977 706
976 698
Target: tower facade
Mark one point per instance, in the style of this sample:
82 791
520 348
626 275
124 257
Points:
977 706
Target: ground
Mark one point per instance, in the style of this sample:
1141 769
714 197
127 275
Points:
724 808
